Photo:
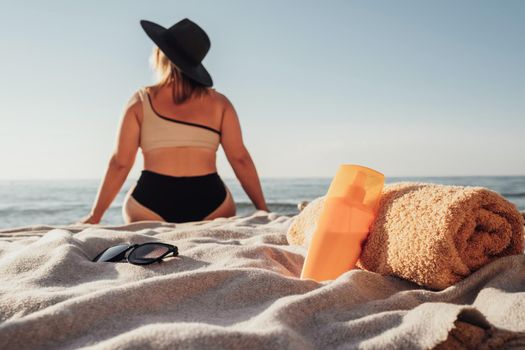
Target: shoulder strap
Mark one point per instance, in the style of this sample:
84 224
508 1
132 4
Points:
146 102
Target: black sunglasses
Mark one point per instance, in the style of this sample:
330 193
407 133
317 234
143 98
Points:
138 254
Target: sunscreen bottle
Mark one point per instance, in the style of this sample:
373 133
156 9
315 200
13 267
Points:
349 209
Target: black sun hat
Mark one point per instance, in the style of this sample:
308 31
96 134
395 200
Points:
185 44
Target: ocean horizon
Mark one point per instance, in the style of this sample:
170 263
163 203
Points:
61 202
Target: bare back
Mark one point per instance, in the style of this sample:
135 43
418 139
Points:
205 110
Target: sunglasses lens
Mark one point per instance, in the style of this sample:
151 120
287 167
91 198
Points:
147 253
115 253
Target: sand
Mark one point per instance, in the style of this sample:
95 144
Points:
235 285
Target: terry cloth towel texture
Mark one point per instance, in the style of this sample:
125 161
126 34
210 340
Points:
235 285
433 235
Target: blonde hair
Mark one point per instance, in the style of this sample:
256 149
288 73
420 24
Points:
182 87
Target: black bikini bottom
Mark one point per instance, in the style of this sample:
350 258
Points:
180 198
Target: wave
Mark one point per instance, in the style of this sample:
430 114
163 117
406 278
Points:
514 195
37 211
286 207
83 209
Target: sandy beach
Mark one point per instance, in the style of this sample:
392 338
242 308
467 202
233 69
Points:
235 285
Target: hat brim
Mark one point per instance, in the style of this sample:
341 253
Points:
198 73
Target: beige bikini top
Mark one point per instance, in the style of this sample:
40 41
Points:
158 131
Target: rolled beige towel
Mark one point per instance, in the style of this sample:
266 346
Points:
433 235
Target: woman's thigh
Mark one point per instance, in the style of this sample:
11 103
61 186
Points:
134 211
226 209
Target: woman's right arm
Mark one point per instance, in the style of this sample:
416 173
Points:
120 163
239 157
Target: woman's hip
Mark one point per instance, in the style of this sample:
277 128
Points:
180 198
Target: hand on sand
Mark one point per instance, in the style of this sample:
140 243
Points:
89 219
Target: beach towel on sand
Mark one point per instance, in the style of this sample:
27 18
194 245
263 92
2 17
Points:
235 285
433 235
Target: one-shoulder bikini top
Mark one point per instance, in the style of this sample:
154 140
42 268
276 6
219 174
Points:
158 131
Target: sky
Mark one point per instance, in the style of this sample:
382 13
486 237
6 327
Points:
409 88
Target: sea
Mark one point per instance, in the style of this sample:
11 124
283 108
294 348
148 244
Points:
63 202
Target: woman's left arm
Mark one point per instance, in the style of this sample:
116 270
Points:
120 163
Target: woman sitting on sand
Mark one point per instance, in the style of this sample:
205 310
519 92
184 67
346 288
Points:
179 124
